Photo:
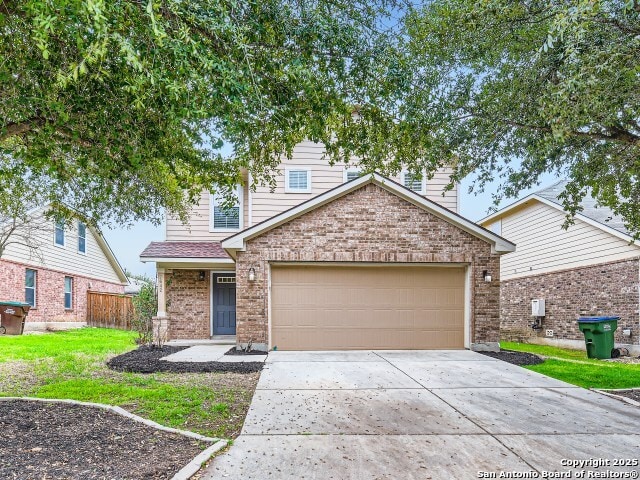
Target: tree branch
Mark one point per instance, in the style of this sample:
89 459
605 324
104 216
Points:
12 129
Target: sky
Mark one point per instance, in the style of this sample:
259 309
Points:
127 244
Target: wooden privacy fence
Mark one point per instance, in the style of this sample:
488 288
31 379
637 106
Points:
109 310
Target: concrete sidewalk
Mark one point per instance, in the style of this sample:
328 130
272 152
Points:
422 415
211 353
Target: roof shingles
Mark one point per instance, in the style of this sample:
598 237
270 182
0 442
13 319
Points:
184 250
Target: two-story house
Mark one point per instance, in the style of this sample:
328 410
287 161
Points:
55 268
331 259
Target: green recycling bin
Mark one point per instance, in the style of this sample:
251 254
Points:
598 335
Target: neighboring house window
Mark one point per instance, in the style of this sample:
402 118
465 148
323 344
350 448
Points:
413 182
225 217
68 293
82 237
351 174
297 180
30 287
59 233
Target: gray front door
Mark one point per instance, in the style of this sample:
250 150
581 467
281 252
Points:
224 304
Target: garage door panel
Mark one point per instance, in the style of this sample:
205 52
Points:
356 307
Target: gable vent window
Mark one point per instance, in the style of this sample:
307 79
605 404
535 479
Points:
351 175
297 181
413 182
224 216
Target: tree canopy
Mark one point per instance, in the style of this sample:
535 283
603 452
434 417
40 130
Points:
513 89
122 106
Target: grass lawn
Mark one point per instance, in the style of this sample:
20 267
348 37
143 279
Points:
72 365
573 366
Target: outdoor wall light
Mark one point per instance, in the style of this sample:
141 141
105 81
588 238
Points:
486 276
252 274
201 275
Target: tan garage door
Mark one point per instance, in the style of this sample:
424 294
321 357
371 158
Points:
366 307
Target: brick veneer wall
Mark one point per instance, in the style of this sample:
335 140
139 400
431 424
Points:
367 225
605 289
50 292
188 305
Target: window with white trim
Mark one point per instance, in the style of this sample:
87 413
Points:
58 235
297 180
413 182
82 238
68 293
351 174
30 279
225 216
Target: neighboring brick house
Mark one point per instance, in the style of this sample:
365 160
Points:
590 269
68 261
332 260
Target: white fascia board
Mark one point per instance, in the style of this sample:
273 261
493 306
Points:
237 242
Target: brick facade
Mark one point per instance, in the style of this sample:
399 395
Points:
606 289
50 292
367 225
188 304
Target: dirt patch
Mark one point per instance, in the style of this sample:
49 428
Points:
516 358
57 440
623 360
15 377
235 351
147 360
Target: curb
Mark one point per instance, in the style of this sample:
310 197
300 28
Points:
124 413
194 466
619 397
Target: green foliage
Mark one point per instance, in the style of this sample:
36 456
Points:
72 365
145 307
553 84
573 366
122 107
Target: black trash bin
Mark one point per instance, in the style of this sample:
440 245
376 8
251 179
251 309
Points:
12 317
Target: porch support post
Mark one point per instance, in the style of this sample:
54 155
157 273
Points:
160 321
162 294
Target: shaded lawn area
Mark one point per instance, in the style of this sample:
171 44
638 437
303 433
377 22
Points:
573 366
72 365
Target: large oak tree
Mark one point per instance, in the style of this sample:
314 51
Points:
120 107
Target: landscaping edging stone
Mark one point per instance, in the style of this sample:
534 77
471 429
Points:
120 411
185 472
611 393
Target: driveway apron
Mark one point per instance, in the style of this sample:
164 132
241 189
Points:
423 415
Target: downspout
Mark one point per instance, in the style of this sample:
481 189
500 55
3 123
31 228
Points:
250 214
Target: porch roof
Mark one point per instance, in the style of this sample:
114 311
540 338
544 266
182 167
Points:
195 250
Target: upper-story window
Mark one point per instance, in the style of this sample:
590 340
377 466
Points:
414 182
58 236
297 180
351 174
82 238
225 217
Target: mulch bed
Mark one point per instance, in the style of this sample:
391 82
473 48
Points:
56 440
235 351
632 394
516 358
147 360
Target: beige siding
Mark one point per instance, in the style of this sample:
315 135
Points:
265 203
543 246
93 264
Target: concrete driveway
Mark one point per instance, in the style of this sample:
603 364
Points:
422 415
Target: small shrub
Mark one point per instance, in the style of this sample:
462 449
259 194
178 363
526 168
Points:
145 307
